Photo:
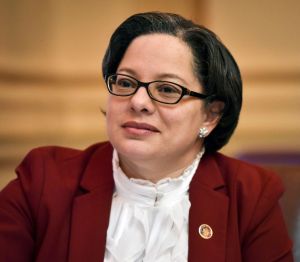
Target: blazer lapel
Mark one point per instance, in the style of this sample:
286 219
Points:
91 209
209 206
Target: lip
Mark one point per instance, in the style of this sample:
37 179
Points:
140 127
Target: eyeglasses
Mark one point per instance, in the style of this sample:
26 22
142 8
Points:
161 91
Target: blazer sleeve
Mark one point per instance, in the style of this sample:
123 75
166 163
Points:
18 203
266 237
16 230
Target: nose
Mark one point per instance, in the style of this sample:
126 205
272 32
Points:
141 101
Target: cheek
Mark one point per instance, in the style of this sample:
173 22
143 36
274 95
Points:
184 118
111 113
114 106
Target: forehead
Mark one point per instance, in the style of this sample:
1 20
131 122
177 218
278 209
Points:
155 54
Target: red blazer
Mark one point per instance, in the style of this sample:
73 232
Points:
58 209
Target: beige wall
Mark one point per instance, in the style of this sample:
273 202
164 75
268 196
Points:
264 37
50 59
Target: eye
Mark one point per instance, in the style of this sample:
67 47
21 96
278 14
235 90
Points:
125 82
168 89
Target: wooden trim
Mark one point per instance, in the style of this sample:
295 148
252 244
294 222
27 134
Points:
17 77
49 78
272 76
201 12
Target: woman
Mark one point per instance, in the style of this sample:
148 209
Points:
158 191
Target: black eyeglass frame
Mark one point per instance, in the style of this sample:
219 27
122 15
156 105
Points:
185 91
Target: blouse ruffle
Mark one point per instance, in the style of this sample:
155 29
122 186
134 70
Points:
149 221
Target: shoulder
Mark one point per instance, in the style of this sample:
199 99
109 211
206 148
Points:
246 178
52 167
61 154
54 159
254 192
48 156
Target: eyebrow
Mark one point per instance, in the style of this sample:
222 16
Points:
159 76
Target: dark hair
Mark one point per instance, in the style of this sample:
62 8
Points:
214 66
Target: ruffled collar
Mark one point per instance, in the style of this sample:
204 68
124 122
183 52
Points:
146 193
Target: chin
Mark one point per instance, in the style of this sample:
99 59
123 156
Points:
134 149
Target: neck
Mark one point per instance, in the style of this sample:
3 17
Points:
156 169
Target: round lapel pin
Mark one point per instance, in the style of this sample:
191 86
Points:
205 231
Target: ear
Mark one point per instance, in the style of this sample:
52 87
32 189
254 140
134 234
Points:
214 112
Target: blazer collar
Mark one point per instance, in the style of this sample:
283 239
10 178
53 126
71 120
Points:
209 206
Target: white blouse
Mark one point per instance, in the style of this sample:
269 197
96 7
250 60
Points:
149 222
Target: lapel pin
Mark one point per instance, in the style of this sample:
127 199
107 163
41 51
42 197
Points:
205 231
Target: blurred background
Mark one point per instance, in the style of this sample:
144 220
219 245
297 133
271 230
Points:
51 89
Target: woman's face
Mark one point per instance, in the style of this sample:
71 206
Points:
142 129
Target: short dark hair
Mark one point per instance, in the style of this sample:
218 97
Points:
214 66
